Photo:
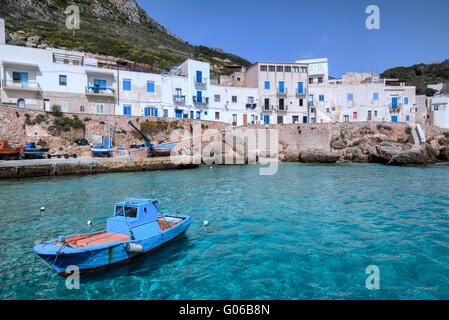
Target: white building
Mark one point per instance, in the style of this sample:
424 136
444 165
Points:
318 70
439 113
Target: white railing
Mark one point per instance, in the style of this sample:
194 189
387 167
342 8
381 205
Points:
29 85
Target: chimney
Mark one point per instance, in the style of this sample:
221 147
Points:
2 32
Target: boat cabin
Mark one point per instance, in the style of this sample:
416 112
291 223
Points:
139 215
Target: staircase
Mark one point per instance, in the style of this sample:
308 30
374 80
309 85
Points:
323 111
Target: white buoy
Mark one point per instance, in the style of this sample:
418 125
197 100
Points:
89 223
42 209
206 223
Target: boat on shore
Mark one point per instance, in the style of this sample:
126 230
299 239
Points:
103 151
32 152
9 153
137 228
155 150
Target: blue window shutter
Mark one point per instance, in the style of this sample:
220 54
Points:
394 102
155 112
147 112
199 77
406 100
127 110
267 84
126 85
150 86
350 97
281 87
407 118
376 96
300 87
199 96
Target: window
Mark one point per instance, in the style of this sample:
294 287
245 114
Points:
350 97
301 102
295 69
192 114
100 108
126 85
199 77
263 68
234 99
303 69
321 97
394 102
280 69
354 115
62 80
375 96
267 84
310 99
267 104
406 100
288 69
127 110
81 108
234 119
300 87
311 81
217 98
151 112
198 115
320 79
282 87
129 212
16 77
150 86
295 119
407 118
165 111
64 106
281 104
271 68
250 100
346 118
217 115
199 97
375 113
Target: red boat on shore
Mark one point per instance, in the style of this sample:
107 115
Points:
9 153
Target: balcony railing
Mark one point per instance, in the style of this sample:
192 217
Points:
251 106
179 99
268 108
202 81
282 92
395 109
30 85
203 101
282 108
301 94
100 91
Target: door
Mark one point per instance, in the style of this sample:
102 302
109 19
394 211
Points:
280 119
245 119
394 118
266 119
199 77
178 113
127 110
199 96
369 116
304 119
147 112
47 105
24 79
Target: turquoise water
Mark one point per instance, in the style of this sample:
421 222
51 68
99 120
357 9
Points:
308 232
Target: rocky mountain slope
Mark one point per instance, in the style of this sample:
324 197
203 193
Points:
118 28
421 75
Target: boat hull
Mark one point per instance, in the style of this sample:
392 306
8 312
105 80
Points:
102 152
99 257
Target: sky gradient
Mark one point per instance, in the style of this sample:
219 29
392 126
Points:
411 31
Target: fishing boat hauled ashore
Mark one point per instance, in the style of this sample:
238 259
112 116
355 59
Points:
137 228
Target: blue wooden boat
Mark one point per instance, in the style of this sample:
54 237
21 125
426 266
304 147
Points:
160 150
137 228
102 151
32 152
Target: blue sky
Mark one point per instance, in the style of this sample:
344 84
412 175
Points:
411 32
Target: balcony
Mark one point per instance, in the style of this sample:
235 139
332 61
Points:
179 99
282 108
29 86
251 106
396 108
282 93
201 102
96 91
200 82
266 108
301 94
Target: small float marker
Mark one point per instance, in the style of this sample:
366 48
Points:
42 209
89 223
206 223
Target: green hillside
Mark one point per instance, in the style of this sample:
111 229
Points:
118 28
